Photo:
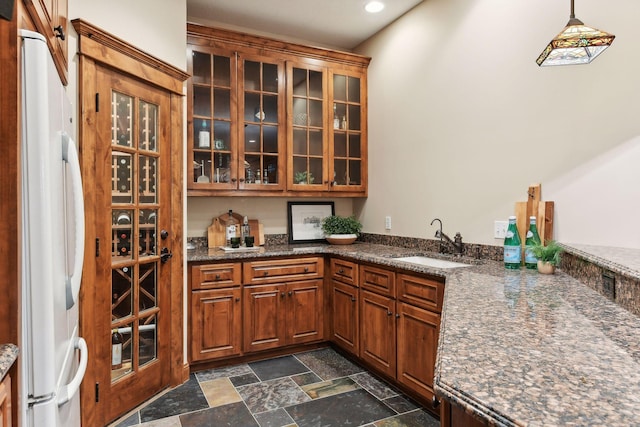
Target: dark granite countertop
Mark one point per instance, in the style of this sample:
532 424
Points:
8 355
518 348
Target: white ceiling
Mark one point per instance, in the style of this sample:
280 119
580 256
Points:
340 24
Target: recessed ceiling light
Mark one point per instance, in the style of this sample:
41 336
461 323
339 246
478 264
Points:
374 6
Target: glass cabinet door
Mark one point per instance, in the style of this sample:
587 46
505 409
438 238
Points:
212 134
307 158
348 133
261 136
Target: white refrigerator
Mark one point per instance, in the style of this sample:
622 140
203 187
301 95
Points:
53 356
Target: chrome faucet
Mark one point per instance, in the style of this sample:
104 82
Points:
456 242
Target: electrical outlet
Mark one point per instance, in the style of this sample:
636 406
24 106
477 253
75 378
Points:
387 223
500 229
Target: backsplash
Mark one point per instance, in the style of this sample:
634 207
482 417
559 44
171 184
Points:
610 279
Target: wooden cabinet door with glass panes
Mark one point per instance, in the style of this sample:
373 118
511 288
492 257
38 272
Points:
213 132
307 136
236 139
347 153
261 136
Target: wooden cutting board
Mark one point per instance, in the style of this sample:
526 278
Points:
542 210
216 233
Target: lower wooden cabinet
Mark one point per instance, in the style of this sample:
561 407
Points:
378 331
417 346
454 416
345 317
5 402
216 323
284 314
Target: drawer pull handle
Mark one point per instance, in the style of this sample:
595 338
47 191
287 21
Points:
306 269
266 273
217 277
341 271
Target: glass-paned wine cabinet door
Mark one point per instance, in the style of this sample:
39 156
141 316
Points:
212 141
135 159
347 130
307 156
262 109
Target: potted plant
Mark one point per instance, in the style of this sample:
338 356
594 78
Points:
548 256
341 230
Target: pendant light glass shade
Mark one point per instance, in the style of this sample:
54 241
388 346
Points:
576 44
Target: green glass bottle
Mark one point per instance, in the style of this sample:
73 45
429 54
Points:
530 260
512 247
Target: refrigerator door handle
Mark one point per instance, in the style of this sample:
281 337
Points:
67 392
70 155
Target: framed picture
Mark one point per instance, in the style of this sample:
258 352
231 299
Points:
305 220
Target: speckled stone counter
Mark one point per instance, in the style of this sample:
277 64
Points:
8 355
518 348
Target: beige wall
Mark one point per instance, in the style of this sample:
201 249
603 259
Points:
462 121
158 27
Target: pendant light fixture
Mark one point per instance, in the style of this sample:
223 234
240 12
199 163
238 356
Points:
576 44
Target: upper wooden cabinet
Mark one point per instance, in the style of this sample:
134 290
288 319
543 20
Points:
51 20
272 118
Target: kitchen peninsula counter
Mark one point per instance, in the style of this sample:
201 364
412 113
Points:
518 348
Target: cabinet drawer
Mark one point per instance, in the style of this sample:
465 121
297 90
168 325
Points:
211 276
377 280
421 291
344 271
282 270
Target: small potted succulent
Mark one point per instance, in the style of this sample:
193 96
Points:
548 256
341 230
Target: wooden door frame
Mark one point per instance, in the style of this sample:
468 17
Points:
97 48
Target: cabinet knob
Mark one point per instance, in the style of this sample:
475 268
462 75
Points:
282 295
237 299
306 269
341 271
290 293
241 180
266 273
233 179
353 299
389 313
217 277
397 315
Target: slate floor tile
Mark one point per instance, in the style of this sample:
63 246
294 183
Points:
273 394
231 415
184 398
277 368
353 408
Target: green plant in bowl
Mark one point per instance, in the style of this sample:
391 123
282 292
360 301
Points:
341 229
548 256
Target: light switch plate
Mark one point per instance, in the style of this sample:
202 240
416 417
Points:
500 229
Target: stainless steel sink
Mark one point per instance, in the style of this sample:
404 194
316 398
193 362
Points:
432 262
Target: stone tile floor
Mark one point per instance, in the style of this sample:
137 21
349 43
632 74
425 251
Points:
314 388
